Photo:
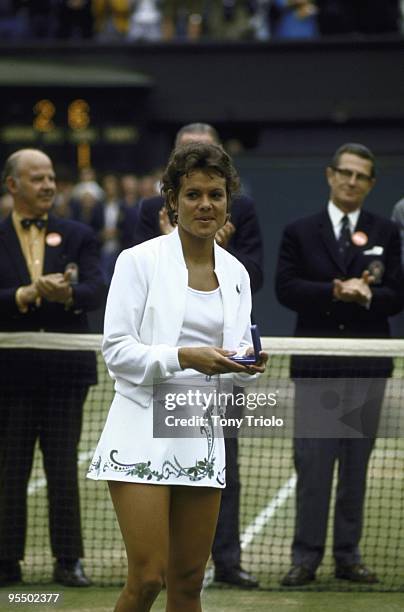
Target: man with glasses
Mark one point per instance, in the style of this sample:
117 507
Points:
339 270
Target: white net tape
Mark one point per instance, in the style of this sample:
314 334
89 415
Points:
275 345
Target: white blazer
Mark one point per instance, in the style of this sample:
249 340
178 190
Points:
145 312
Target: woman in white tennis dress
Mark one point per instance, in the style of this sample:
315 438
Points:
178 308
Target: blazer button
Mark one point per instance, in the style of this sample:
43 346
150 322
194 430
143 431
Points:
341 327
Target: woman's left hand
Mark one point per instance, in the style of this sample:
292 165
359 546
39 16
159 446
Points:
259 366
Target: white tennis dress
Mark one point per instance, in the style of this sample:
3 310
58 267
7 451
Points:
151 312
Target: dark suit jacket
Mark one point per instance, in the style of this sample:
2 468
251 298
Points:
245 244
78 245
308 263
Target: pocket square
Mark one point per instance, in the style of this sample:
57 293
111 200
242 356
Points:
376 250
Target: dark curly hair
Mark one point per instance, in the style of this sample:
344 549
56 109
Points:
192 157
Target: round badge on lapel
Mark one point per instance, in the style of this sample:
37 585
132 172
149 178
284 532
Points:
53 239
359 239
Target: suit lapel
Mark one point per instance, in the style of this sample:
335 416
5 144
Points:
228 293
328 238
53 253
235 309
12 244
364 225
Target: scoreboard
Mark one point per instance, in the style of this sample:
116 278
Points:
104 127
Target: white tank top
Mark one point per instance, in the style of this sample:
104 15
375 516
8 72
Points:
203 320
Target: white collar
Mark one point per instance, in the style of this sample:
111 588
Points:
336 215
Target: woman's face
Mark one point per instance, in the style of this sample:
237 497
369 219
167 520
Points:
201 204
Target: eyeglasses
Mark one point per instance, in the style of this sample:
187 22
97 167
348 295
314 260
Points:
349 174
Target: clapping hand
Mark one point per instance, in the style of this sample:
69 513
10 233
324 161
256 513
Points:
354 289
223 235
54 287
165 224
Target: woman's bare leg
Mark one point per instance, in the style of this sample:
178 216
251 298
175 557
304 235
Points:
193 518
143 516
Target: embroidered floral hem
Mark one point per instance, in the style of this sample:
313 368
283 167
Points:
144 471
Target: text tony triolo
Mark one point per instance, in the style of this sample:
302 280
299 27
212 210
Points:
201 421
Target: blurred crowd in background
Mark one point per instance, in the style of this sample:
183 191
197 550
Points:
110 205
122 21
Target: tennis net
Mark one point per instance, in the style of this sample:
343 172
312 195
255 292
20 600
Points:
266 467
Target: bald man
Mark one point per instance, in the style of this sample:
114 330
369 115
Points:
49 277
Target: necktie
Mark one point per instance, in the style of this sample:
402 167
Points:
344 240
40 223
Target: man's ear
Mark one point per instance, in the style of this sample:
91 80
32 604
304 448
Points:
329 172
11 184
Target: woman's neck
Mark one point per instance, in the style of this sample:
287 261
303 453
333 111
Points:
197 251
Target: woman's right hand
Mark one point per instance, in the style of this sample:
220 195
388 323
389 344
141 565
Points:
209 360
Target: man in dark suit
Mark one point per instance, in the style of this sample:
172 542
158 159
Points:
241 236
339 270
49 277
